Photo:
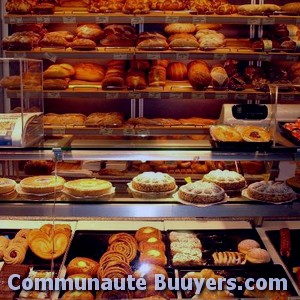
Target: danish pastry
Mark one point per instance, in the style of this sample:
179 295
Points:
225 133
7 185
14 254
82 265
153 256
146 233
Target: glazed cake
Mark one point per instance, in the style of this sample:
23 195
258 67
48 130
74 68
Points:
271 191
201 192
153 182
228 180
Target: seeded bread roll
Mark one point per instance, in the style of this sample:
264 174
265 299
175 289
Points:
180 28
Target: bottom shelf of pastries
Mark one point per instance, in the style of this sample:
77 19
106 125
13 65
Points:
143 249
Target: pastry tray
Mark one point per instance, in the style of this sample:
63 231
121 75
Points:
242 273
221 240
294 259
288 134
31 259
93 244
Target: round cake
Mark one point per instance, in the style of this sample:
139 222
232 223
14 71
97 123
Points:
42 184
87 187
7 185
153 182
201 192
271 191
227 180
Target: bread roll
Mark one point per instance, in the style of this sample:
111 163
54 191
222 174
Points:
208 26
59 71
180 28
153 43
257 9
56 84
157 76
84 44
90 31
161 63
89 72
199 75
291 8
177 71
140 65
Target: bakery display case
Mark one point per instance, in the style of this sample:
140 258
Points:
172 123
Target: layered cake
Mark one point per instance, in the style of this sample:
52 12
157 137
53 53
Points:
42 184
228 180
201 192
87 187
7 185
153 182
271 191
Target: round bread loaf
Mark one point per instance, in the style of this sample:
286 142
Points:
199 75
177 71
7 185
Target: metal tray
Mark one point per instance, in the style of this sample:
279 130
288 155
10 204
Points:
288 134
219 240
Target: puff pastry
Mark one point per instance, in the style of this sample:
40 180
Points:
225 133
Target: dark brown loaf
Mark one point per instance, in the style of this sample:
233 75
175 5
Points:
199 75
157 76
136 80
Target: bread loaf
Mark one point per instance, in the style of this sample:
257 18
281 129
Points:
153 43
180 28
199 75
291 8
136 80
258 9
219 78
89 72
59 71
177 71
56 84
157 76
90 31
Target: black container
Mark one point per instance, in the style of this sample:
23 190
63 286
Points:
241 145
294 259
288 134
220 240
242 273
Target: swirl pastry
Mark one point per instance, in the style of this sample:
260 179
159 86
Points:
7 185
114 269
229 258
42 184
4 242
112 256
127 248
122 237
114 295
14 254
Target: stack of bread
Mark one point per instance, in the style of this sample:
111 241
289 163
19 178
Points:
185 249
115 75
157 75
181 36
136 78
118 35
57 76
210 39
57 39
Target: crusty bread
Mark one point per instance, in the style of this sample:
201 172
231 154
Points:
89 72
59 71
180 28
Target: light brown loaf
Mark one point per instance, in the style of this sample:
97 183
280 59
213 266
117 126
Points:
177 71
180 28
89 72
199 75
59 71
219 77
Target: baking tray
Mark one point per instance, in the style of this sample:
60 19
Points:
93 244
288 134
242 273
219 240
31 259
294 259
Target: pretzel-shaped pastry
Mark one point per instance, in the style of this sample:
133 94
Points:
23 233
14 254
229 258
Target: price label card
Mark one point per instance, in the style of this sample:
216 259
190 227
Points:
121 56
171 19
253 21
268 21
182 56
287 97
176 95
199 19
69 19
112 95
43 20
220 56
129 131
19 54
221 96
137 20
241 96
262 97
134 95
154 95
143 131
16 20
153 56
101 19
106 131
290 57
52 57
264 57
52 95
59 131
198 96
